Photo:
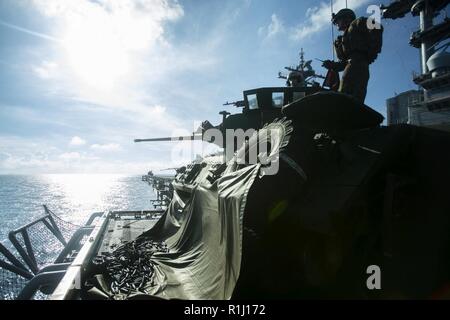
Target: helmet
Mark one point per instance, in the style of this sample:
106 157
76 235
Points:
295 78
343 14
294 75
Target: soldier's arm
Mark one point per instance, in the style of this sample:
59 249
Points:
339 66
334 65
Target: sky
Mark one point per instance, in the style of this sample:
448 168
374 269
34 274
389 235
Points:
81 79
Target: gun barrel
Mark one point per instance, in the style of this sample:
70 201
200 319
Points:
239 103
180 138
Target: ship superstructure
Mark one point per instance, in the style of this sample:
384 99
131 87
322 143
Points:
431 39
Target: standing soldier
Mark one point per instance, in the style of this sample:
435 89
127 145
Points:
357 47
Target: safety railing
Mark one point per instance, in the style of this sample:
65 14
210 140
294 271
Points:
24 245
43 250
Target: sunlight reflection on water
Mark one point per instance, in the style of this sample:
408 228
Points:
72 196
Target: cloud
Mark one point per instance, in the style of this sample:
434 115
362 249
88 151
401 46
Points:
77 141
73 164
106 48
16 164
159 87
101 37
110 147
46 70
109 49
318 18
275 27
32 117
69 156
20 155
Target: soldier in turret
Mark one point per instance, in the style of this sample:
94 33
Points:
295 79
357 47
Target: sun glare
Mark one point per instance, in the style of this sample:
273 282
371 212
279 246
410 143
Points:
96 55
84 192
103 41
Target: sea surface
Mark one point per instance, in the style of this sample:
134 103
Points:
73 197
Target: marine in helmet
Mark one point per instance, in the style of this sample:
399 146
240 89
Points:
357 47
295 79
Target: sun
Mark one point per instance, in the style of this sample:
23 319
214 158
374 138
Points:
96 54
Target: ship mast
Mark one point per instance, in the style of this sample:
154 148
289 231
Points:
302 60
303 73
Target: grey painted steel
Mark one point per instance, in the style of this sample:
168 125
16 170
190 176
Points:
11 258
73 242
93 216
426 22
29 247
55 229
181 138
55 267
38 281
71 280
54 274
27 253
10 267
30 263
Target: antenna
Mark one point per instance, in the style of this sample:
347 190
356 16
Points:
346 5
302 60
332 30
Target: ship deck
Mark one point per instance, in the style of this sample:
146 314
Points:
122 228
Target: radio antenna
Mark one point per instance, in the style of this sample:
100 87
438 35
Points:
332 30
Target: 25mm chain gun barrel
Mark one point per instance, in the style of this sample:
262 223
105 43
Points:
180 138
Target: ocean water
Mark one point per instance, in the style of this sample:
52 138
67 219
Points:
71 196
